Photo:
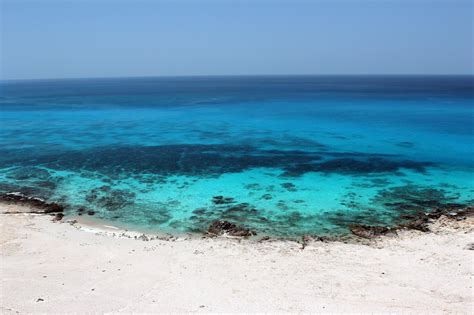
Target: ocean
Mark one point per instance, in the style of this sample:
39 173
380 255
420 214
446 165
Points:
282 155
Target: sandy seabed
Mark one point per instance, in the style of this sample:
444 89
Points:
59 267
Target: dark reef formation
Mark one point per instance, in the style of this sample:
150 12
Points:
413 197
221 200
152 167
209 160
357 166
403 206
110 199
30 181
38 206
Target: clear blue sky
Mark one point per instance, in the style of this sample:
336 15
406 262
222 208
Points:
105 38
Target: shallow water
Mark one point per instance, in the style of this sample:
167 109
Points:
282 155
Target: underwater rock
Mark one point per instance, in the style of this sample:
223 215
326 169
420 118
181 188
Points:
289 186
90 212
380 182
31 181
199 211
253 186
175 224
46 184
221 200
225 227
105 188
110 199
160 215
244 213
32 190
239 212
6 187
282 205
29 172
414 199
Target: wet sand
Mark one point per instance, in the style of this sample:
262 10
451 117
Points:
61 267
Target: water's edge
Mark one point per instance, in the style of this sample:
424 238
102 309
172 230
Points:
359 233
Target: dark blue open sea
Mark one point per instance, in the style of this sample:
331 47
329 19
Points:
281 155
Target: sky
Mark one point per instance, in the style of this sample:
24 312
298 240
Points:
106 38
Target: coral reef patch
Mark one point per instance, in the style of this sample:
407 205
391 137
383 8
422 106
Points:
208 160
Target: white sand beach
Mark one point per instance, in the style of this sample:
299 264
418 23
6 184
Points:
57 267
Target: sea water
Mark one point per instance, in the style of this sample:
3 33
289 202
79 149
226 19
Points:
283 155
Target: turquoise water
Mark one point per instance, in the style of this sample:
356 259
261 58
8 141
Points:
282 155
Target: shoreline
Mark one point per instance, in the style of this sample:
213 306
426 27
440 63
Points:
16 202
441 225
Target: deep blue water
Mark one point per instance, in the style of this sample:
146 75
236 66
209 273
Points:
288 155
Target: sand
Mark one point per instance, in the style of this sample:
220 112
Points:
59 267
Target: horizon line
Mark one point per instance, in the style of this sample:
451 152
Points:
244 75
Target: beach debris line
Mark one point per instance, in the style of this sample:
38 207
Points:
306 239
221 227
